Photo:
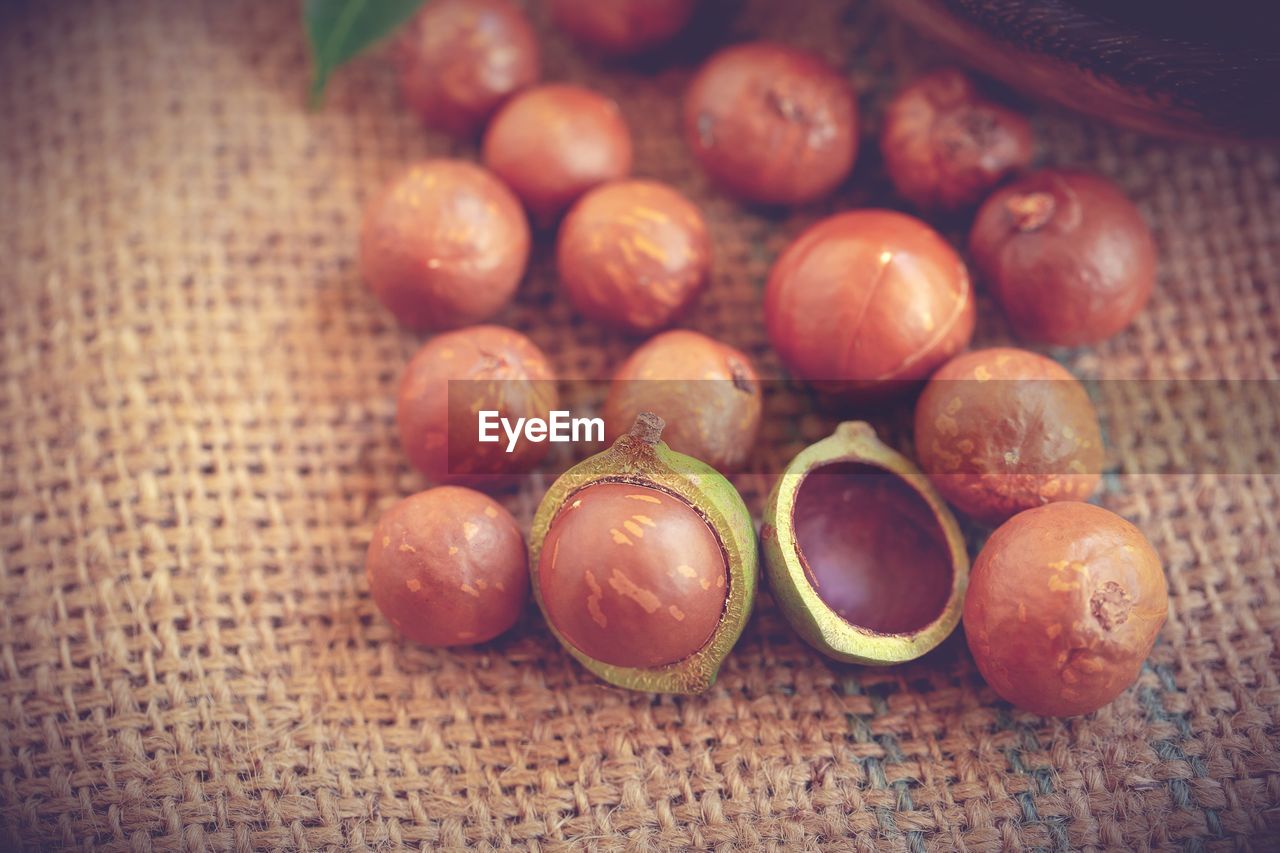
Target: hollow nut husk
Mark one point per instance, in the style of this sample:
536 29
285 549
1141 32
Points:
863 556
641 461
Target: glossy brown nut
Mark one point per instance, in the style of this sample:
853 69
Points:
632 576
707 392
554 142
1002 430
771 123
864 300
1064 604
633 255
1066 254
447 567
945 146
622 27
460 59
453 377
444 245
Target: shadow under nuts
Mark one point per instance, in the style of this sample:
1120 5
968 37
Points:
706 391
633 255
1002 430
644 564
1064 604
444 245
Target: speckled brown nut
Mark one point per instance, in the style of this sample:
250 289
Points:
447 567
622 27
460 59
444 245
1064 604
945 146
708 393
1066 255
633 255
862 302
554 142
1002 430
632 576
771 124
453 377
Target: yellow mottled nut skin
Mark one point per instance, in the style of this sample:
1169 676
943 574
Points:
633 255
1064 604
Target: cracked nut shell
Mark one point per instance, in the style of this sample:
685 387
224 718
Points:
772 124
1002 430
862 302
864 559
447 567
644 563
1064 604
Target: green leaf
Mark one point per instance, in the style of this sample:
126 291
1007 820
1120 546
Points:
337 30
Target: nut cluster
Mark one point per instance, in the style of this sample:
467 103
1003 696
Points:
643 557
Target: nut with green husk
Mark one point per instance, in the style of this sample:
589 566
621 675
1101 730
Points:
644 563
863 556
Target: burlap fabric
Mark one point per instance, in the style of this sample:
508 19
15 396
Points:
197 436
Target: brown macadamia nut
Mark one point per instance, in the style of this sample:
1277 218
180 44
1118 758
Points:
707 392
622 27
632 576
1064 604
444 245
1003 430
864 301
633 255
945 146
460 59
447 567
771 124
453 378
1068 257
554 142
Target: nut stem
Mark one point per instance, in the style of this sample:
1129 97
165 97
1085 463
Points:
647 428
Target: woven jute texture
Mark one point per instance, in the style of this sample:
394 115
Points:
197 435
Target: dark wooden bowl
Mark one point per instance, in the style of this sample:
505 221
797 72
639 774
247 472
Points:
1175 67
